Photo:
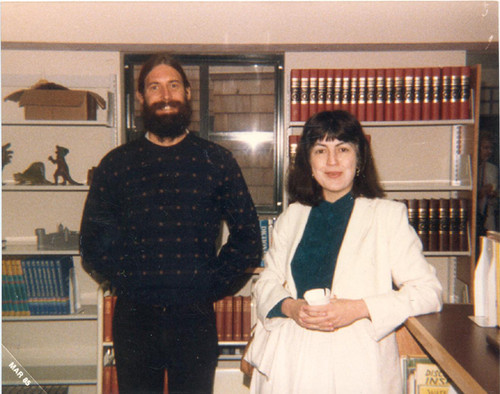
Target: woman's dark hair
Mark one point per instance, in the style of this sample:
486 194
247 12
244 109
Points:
156 60
341 125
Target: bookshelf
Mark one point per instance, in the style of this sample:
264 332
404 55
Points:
52 349
416 159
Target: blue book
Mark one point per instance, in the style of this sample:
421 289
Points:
62 268
7 309
40 290
31 287
264 233
28 287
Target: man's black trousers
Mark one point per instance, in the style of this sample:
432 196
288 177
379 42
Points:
149 339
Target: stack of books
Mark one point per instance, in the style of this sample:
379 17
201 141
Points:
233 318
421 375
38 286
441 223
388 94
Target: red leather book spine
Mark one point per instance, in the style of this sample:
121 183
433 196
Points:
465 89
304 95
418 94
423 222
379 94
371 83
389 95
427 94
247 318
295 95
444 225
454 224
361 110
433 225
346 90
237 318
446 93
228 318
321 89
114 380
413 213
106 379
399 93
337 89
409 94
436 94
108 310
219 318
455 93
313 91
330 83
462 231
354 92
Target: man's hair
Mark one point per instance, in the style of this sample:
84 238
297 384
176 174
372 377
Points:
341 125
156 60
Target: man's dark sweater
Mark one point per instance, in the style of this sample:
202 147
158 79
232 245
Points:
153 215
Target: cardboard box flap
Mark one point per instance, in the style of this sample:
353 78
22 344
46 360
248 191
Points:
41 84
58 98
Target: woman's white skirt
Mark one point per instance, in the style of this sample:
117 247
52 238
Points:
349 360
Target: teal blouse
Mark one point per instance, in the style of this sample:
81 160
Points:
313 264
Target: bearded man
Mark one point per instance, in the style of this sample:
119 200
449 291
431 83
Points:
150 227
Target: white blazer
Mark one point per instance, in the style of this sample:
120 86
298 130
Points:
379 249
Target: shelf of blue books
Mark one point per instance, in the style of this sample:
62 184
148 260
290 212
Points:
41 287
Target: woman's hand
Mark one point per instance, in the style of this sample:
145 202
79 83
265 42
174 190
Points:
338 313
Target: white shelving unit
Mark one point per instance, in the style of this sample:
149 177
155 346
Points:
429 159
38 344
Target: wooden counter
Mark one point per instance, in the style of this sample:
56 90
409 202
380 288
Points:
459 347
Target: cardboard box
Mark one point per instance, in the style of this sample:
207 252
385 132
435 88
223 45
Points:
58 104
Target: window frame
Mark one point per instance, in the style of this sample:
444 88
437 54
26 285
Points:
204 62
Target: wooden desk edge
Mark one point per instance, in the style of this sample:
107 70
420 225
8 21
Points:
450 366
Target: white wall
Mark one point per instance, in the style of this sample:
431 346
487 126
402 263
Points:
250 23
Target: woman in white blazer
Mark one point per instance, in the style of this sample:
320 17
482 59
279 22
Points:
341 235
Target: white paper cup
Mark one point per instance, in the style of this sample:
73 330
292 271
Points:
317 296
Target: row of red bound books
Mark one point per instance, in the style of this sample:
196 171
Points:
441 223
233 318
390 94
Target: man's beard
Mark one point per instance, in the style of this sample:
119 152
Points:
170 125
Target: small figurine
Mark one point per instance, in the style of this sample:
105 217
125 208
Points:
63 239
33 175
6 154
62 169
